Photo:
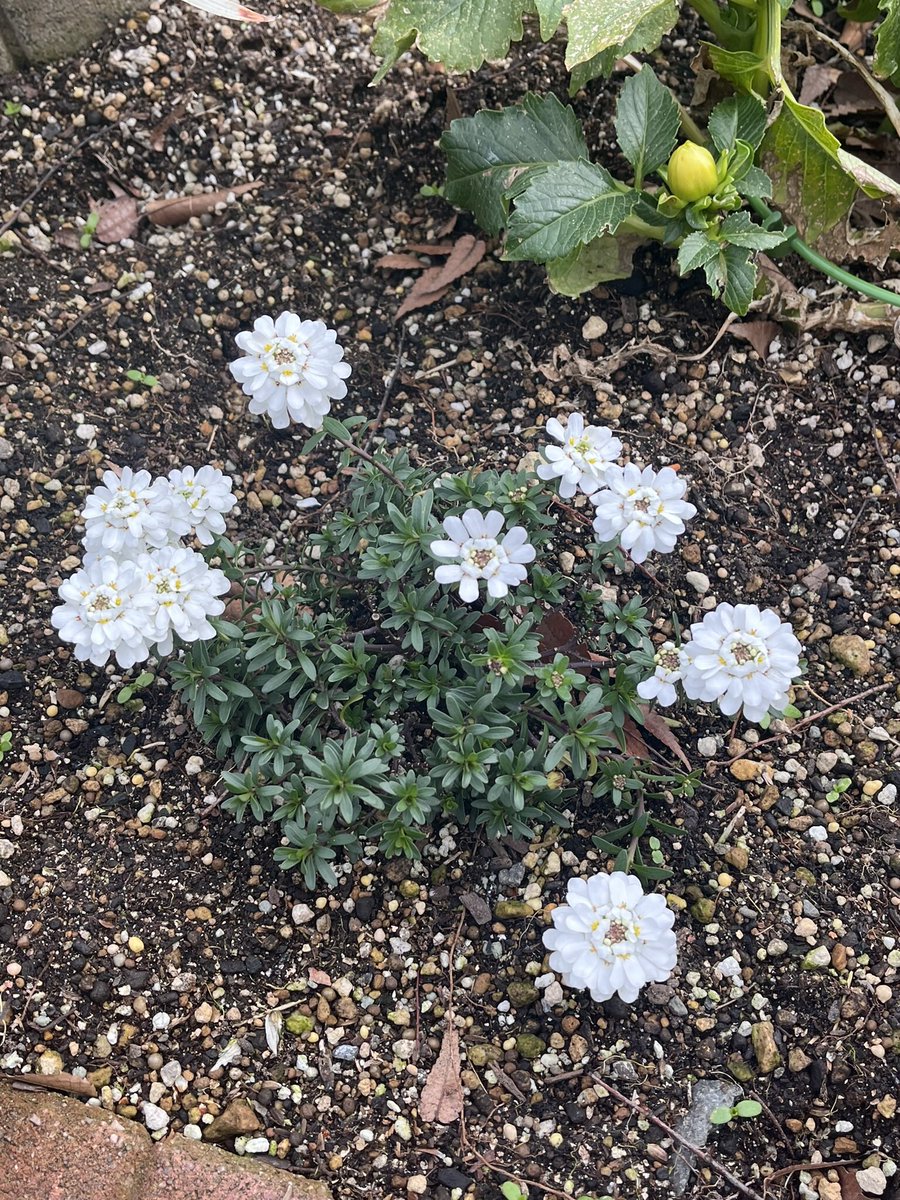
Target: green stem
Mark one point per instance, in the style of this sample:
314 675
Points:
826 266
767 42
712 15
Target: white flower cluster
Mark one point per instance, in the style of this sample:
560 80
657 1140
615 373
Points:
609 937
643 509
738 656
138 586
291 369
472 541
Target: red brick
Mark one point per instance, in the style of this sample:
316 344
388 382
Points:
57 1148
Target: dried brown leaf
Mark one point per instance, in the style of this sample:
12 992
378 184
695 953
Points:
179 209
158 134
661 730
635 746
850 1189
434 248
61 1081
442 1095
555 631
434 283
119 220
760 334
400 262
785 304
817 80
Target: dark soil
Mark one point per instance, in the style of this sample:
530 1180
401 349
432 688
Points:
106 828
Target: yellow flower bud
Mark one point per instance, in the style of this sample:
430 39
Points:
692 172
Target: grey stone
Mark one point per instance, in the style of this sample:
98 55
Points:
42 30
694 1126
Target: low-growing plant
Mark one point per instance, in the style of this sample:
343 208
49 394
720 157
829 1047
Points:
137 376
5 745
361 701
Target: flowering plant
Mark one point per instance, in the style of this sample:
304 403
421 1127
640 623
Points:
138 586
413 662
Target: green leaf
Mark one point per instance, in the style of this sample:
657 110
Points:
887 42
720 1116
550 14
647 123
647 35
695 251
739 67
748 1108
738 117
348 6
596 25
562 206
460 35
607 257
808 182
754 182
487 151
740 230
733 275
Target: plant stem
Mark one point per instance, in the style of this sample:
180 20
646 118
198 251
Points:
826 266
713 16
370 458
767 42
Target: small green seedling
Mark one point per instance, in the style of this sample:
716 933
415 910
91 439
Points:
838 790
743 1108
90 228
11 108
512 1191
143 680
141 377
5 745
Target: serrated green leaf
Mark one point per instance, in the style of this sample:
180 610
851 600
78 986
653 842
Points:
595 25
647 35
562 206
647 123
549 14
739 278
486 151
459 34
695 251
740 67
754 182
801 156
737 118
887 42
740 230
607 257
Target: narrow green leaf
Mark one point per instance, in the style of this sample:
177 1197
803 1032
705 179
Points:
486 152
647 123
737 118
562 206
